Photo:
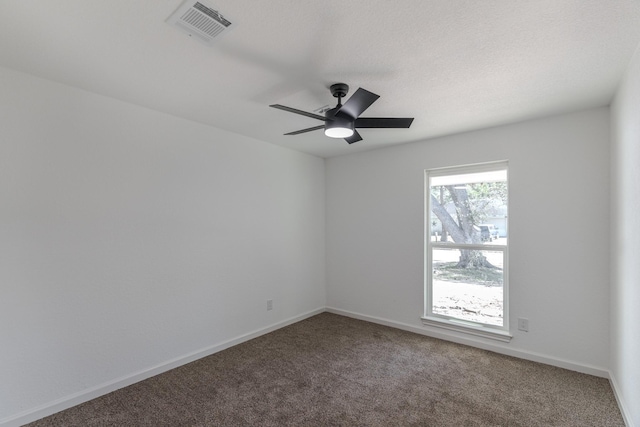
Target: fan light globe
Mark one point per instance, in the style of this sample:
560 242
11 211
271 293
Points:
338 132
338 126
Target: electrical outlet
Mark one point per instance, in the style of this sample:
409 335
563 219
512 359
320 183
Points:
269 304
523 324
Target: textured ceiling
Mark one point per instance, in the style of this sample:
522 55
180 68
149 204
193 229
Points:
454 65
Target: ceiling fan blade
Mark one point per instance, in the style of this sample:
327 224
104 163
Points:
358 102
296 111
383 122
354 138
297 132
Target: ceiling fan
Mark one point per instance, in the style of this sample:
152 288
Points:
342 120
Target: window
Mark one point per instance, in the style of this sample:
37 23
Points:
466 280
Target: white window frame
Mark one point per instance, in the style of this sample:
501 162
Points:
429 318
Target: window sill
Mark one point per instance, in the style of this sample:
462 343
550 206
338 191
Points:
468 328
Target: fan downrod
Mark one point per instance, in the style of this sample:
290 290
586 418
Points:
339 90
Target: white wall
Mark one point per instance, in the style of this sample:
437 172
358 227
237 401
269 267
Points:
558 231
130 239
625 242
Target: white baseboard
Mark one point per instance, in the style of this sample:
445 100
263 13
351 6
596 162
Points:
102 389
521 354
623 407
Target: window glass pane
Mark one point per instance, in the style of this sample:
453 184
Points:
473 294
469 208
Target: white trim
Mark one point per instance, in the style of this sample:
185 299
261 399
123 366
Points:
479 343
470 168
476 247
102 389
626 416
468 328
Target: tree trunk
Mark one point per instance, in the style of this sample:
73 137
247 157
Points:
460 199
461 234
449 223
443 238
473 259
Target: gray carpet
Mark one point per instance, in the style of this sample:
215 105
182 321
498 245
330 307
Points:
331 370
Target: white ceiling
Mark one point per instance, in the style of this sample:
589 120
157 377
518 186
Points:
454 65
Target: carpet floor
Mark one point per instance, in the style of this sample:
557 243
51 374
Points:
331 370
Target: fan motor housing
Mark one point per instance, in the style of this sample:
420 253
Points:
339 90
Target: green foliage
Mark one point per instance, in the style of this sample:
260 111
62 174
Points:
483 197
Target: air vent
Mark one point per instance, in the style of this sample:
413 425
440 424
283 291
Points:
199 20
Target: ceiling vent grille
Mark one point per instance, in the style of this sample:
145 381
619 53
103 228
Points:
200 21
